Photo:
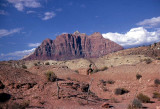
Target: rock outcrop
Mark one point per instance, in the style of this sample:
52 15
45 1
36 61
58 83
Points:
73 46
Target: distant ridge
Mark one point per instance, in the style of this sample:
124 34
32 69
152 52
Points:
73 46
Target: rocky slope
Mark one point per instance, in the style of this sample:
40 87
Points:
73 46
150 51
29 88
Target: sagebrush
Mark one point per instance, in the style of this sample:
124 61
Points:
51 76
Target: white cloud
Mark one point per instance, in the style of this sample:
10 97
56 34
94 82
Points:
20 53
134 37
150 22
4 32
2 12
34 44
21 4
48 15
16 54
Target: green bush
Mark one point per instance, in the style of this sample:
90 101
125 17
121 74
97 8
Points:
120 91
136 104
51 76
143 98
138 76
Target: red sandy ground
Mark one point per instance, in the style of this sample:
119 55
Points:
43 94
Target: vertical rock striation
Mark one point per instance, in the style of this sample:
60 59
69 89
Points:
73 46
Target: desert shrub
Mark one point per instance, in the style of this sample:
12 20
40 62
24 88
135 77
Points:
102 82
157 82
110 81
136 104
76 71
158 58
143 98
156 95
148 60
35 64
24 66
138 76
103 69
106 82
120 91
47 63
97 70
51 76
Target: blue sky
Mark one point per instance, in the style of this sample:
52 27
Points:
24 24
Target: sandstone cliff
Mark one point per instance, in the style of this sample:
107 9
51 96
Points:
73 46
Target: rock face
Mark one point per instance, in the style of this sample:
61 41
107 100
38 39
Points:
73 46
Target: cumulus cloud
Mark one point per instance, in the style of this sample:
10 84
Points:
34 44
16 54
150 22
3 12
21 4
48 15
4 32
135 37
